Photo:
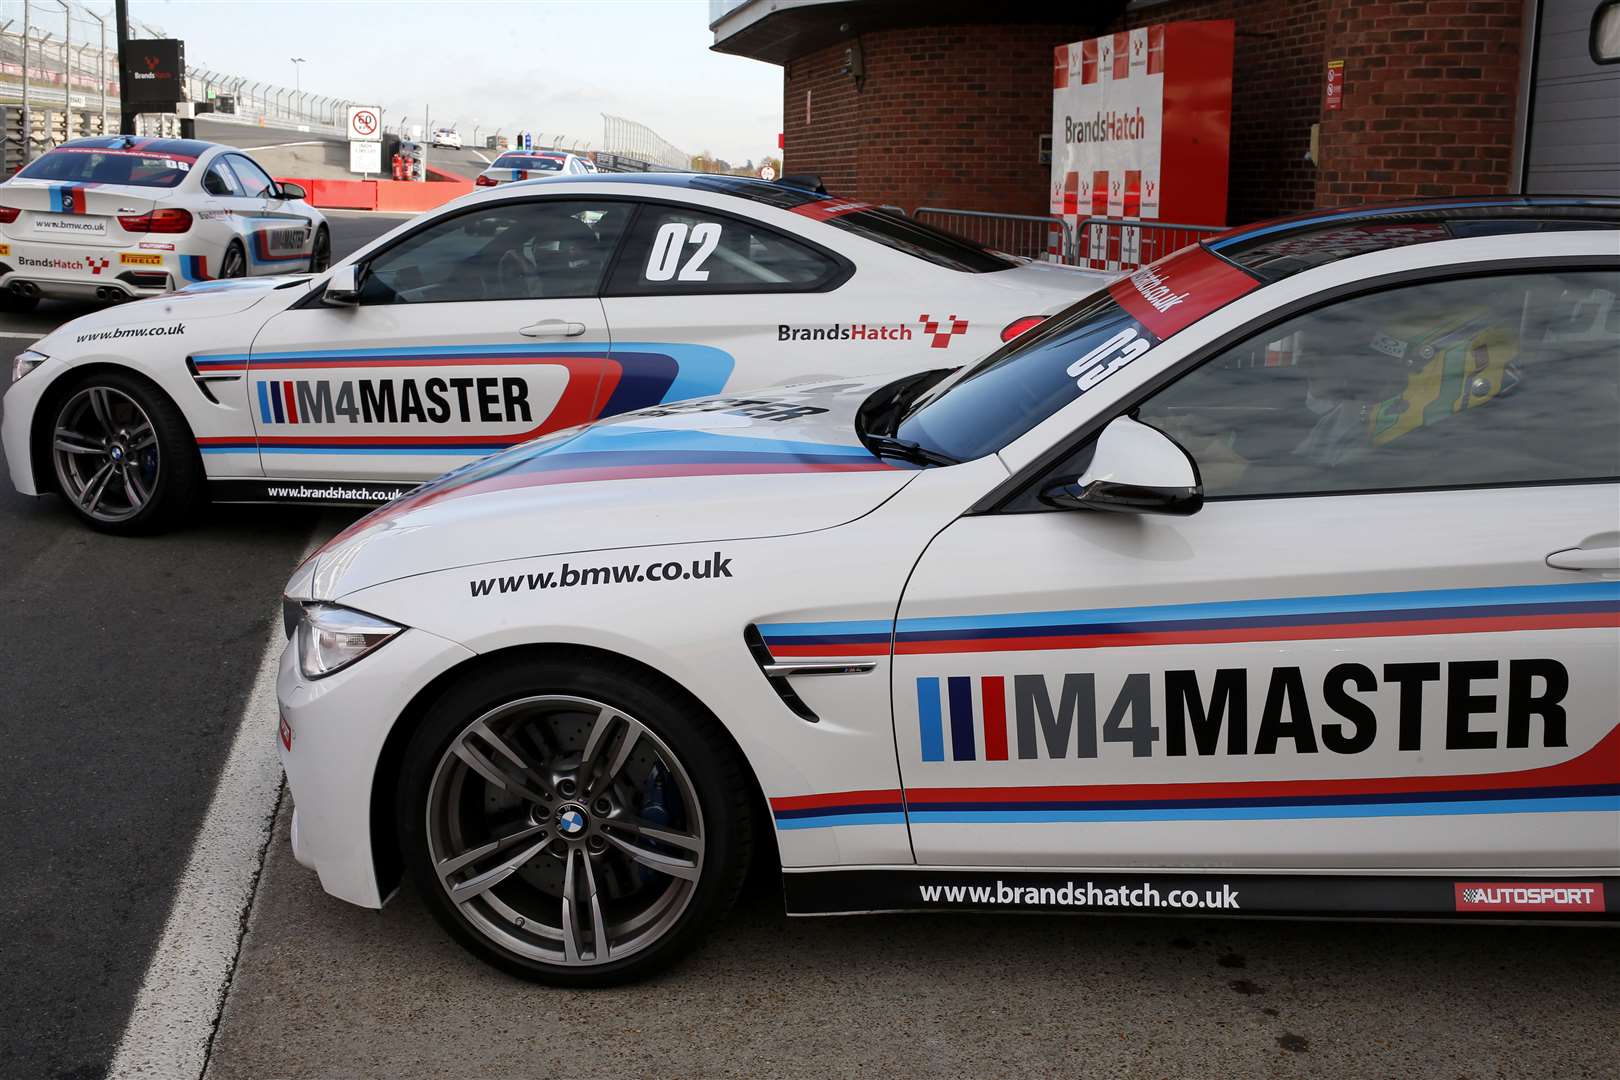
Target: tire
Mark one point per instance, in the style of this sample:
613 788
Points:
234 264
15 303
682 776
122 454
320 255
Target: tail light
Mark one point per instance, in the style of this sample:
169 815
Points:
8 214
484 181
168 220
1021 326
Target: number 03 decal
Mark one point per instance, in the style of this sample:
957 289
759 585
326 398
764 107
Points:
667 247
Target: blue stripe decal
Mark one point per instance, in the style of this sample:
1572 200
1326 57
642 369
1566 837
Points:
1382 211
1598 803
933 735
264 402
275 401
839 818
960 688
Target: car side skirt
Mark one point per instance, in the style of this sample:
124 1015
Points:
308 492
1484 895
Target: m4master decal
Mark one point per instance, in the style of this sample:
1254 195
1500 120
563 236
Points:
304 400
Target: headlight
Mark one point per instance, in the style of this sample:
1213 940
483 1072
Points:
26 361
330 638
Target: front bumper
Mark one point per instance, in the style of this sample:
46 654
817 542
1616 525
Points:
337 727
21 402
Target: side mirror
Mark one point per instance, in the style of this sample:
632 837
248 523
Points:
293 191
343 287
1135 469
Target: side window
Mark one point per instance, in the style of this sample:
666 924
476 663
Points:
503 251
219 180
1484 381
689 250
256 183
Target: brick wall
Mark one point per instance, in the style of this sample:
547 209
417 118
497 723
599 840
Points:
1430 93
946 116
952 115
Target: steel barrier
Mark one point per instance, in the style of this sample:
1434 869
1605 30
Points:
1124 244
1032 236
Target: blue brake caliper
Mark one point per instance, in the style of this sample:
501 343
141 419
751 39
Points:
654 810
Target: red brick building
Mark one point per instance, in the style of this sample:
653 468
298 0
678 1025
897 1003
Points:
945 103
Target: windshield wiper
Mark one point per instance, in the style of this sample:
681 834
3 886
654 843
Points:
906 450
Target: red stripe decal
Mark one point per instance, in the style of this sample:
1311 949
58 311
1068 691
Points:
1176 292
993 691
835 799
292 404
830 208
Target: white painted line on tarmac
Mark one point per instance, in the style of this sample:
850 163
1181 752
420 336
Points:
25 337
179 1003
480 157
284 145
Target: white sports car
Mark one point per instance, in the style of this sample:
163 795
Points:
446 137
517 165
1281 577
119 217
505 315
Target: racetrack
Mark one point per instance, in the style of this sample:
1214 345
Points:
134 664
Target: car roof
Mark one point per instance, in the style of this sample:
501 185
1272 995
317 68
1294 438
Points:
191 148
1277 249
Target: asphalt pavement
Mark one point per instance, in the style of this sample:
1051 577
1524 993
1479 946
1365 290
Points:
127 664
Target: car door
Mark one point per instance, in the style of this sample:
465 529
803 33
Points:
749 304
227 213
479 329
1388 639
278 235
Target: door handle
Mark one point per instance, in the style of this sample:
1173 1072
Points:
1604 558
553 328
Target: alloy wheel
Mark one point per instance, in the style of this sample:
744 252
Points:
234 265
106 454
565 830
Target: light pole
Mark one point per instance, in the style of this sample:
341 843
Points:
298 74
27 117
101 67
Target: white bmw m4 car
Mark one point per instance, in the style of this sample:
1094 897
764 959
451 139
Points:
507 314
119 217
1279 578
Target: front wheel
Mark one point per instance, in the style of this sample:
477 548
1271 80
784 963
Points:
320 256
123 454
573 825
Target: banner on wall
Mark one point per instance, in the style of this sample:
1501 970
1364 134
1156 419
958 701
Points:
1141 125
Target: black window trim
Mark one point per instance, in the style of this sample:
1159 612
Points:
274 186
1592 33
1003 497
842 268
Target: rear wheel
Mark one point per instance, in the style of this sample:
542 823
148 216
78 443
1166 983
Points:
123 454
320 256
577 826
234 264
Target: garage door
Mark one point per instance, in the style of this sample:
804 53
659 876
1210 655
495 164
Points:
1573 142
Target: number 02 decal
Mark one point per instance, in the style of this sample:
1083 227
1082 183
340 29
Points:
668 244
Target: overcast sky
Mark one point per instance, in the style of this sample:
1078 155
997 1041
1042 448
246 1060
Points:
546 66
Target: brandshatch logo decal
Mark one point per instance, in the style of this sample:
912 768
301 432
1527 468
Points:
942 338
97 265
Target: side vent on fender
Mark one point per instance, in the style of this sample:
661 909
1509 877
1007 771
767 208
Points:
778 673
203 379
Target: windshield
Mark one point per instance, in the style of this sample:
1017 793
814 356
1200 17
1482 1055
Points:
87 165
989 404
534 164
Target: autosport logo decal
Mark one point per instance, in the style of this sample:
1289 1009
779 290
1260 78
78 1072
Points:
1530 896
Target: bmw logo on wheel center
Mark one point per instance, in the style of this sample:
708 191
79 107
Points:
571 821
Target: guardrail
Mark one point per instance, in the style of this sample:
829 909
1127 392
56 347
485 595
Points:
1126 244
1033 236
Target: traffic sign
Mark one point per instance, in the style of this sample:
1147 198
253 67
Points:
767 172
365 157
365 122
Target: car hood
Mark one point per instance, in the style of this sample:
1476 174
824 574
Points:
205 301
697 471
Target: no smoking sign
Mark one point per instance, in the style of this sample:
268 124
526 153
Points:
365 122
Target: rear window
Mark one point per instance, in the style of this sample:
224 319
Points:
865 220
534 164
85 165
986 406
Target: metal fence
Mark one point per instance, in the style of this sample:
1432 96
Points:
1124 244
1032 236
627 138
